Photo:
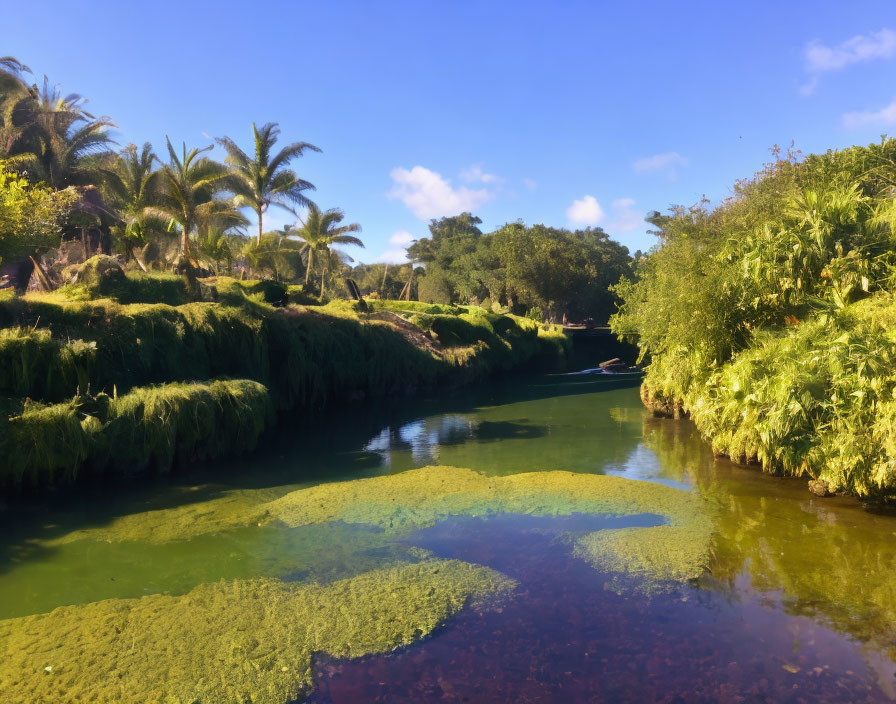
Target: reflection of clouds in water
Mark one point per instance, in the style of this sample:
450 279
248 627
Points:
644 465
422 438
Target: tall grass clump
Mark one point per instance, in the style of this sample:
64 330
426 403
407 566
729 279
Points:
34 363
147 429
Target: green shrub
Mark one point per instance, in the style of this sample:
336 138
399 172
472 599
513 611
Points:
770 318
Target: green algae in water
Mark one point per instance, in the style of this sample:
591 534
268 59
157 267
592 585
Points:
405 502
88 570
230 642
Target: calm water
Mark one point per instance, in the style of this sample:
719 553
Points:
800 604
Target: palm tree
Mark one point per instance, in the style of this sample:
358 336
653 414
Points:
190 183
133 188
54 139
265 180
11 70
219 240
320 231
12 87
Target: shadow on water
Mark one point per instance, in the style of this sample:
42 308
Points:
568 635
303 450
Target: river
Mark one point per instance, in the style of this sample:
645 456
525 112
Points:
798 603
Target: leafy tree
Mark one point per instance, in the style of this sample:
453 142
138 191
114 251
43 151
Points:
553 270
320 231
265 180
30 220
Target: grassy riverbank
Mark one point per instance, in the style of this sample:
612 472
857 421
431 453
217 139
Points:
97 385
771 320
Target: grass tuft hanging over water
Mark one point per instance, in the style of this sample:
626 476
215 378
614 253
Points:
67 355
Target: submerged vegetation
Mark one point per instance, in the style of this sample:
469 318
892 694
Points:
401 504
246 640
769 319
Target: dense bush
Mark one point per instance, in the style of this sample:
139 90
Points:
770 319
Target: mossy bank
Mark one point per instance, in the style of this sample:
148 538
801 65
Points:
91 386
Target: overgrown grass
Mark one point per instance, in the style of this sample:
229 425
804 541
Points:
307 356
148 428
54 349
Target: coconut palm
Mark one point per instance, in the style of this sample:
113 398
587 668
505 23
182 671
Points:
12 87
189 184
265 180
132 187
54 139
318 234
219 239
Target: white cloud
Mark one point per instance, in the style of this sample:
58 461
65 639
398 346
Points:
428 195
585 212
884 116
397 252
821 58
625 218
475 174
530 183
401 238
667 162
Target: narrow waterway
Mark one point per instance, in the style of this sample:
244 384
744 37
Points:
798 604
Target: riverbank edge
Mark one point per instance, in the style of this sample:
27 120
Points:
204 380
664 406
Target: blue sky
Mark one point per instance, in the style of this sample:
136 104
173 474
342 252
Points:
566 113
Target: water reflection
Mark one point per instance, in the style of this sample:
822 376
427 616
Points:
423 439
566 636
812 576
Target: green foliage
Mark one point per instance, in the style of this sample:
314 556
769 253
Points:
30 216
32 363
769 318
241 641
146 428
817 398
553 271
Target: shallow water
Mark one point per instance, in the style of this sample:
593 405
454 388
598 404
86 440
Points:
799 604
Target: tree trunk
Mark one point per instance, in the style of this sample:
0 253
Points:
133 253
19 273
308 269
259 212
323 274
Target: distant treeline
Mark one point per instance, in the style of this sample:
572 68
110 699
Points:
545 272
